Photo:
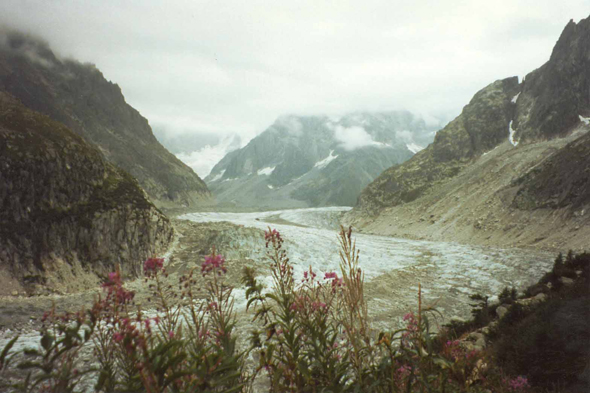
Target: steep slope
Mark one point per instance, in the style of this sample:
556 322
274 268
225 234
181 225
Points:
485 179
316 161
68 216
78 96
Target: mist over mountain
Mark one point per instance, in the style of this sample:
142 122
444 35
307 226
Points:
79 96
317 160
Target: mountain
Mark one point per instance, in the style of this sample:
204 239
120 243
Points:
304 161
68 215
78 96
512 169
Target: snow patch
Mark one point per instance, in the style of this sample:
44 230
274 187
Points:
515 98
269 186
585 120
218 176
511 134
266 171
323 163
414 148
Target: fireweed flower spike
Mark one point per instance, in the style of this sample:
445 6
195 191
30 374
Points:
152 266
213 263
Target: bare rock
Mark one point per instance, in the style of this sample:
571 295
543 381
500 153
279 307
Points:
566 281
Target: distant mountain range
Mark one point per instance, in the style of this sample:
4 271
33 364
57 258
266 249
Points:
304 161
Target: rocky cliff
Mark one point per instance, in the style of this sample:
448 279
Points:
78 96
304 161
510 169
68 216
481 126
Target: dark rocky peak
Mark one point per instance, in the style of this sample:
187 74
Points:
554 96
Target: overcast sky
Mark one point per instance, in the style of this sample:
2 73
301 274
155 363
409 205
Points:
234 66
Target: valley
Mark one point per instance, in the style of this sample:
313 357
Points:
443 203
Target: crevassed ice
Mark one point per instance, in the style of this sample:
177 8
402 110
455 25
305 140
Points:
323 163
515 98
266 171
468 269
585 120
511 135
414 148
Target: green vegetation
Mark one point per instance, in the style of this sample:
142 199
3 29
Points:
309 334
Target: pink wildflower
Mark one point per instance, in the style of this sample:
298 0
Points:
152 266
213 262
518 384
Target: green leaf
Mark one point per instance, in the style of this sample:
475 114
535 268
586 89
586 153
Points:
47 341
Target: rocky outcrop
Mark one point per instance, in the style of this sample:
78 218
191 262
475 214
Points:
68 216
78 96
316 160
562 180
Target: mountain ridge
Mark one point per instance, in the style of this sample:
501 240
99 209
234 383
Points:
79 96
511 129
316 160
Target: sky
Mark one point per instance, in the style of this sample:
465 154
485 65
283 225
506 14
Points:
217 68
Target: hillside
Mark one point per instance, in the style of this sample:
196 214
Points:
512 169
68 216
79 96
302 161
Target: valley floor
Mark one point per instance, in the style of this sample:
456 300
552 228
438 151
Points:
393 268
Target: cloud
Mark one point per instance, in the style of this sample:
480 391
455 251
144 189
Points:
235 66
204 159
291 124
352 138
18 43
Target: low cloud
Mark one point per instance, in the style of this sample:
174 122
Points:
23 44
204 159
291 123
352 138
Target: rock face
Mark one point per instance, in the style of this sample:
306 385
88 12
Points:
78 96
481 126
315 160
511 169
68 215
554 96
